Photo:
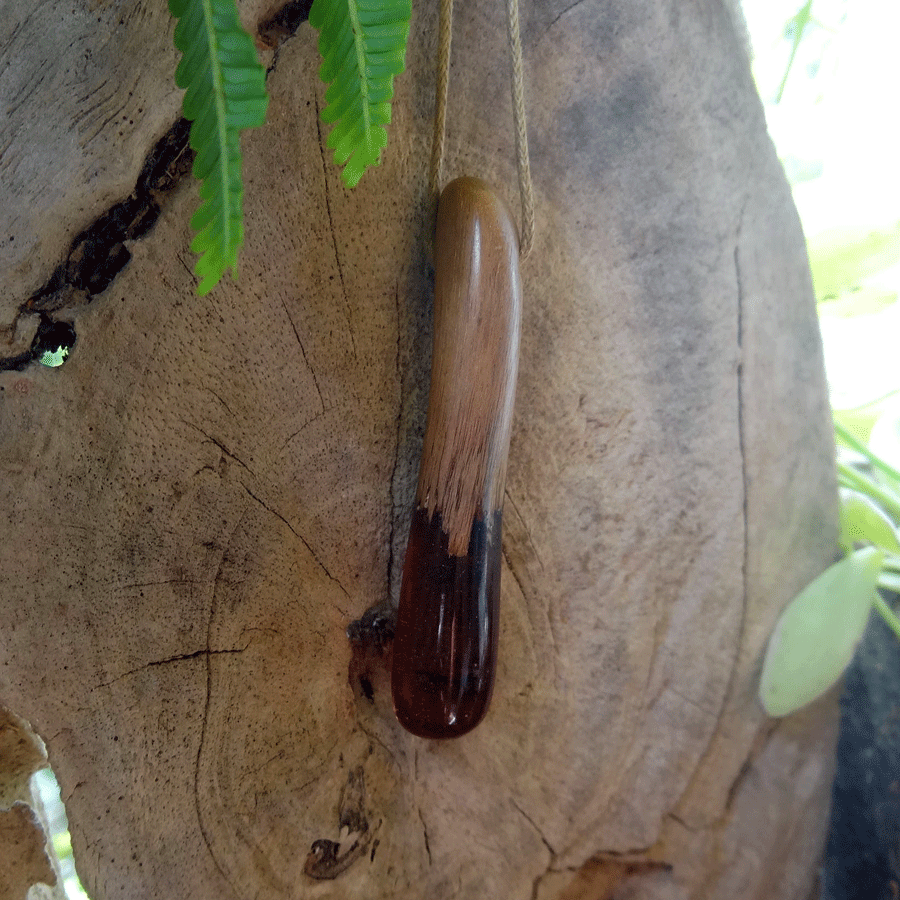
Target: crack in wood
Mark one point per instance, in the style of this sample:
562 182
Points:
181 657
425 834
567 10
299 537
540 833
283 24
760 742
305 425
98 253
203 726
220 445
326 191
312 371
742 622
219 398
392 487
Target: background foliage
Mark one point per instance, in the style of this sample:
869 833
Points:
823 75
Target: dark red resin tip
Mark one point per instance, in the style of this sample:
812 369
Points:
445 643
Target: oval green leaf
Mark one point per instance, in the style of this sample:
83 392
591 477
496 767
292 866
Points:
864 520
818 632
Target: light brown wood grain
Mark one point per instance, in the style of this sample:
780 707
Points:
477 321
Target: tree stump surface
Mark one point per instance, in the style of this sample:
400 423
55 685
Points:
210 490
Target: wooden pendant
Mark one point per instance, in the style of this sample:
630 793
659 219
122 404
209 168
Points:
445 645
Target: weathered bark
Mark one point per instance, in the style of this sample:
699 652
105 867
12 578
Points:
23 858
211 489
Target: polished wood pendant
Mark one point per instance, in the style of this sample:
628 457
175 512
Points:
445 647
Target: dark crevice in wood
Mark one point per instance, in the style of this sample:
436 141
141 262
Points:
392 484
181 657
284 23
374 629
278 515
764 734
99 253
51 337
425 836
537 830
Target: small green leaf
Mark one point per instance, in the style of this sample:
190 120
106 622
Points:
797 22
817 634
225 92
862 520
363 46
888 614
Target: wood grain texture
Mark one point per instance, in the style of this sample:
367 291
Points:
477 321
197 504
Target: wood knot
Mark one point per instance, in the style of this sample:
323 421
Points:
327 859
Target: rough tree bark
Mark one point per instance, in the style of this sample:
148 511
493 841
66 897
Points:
204 497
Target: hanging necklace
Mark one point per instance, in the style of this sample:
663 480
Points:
445 644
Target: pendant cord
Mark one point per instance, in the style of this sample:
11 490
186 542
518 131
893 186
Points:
445 38
526 189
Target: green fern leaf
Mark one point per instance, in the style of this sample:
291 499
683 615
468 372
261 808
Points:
363 46
225 92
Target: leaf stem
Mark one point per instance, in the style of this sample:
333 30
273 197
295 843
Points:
221 122
851 478
859 447
362 67
887 614
800 21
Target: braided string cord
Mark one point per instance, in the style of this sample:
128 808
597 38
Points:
438 140
526 189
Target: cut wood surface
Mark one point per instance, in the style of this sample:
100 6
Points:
202 499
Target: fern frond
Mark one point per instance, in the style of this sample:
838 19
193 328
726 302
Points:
363 46
225 91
